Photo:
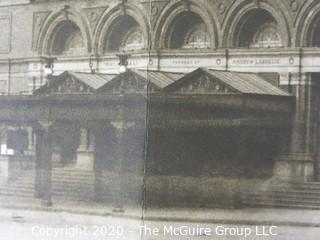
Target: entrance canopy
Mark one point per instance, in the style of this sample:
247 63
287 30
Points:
206 97
200 81
209 81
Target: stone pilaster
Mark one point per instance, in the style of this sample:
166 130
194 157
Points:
43 168
298 164
85 152
31 147
121 127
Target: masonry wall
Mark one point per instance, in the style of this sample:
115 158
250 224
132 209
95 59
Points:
24 23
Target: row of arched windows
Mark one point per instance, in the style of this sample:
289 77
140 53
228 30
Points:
125 34
188 30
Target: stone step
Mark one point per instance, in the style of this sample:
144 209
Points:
73 195
71 172
306 183
297 193
60 172
72 180
305 189
261 203
18 185
79 176
56 184
9 192
73 198
83 194
274 201
67 184
73 189
301 186
279 198
20 188
21 180
315 184
25 175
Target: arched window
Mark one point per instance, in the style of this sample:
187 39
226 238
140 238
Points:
124 35
197 37
68 40
259 29
266 37
188 31
133 40
314 39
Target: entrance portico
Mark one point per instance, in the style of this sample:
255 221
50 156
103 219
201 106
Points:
97 125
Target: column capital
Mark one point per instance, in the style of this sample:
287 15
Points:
122 125
44 126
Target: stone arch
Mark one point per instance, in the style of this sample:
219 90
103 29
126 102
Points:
174 14
58 22
308 26
242 15
66 40
131 22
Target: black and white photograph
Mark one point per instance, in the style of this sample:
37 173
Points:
159 119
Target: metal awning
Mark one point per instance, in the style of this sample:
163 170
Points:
224 82
202 98
200 81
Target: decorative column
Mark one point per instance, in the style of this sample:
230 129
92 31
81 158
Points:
56 156
299 163
85 152
30 150
43 162
121 127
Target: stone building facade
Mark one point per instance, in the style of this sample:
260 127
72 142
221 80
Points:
278 40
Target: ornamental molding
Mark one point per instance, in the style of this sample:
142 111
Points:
154 9
39 19
202 83
6 31
94 15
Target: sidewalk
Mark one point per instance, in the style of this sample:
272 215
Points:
248 216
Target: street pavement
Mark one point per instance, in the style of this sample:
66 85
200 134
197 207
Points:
20 224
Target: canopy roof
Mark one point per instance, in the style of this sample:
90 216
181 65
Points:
201 98
225 81
200 81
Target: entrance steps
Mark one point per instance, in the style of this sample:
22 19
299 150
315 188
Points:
67 184
21 185
289 195
73 184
